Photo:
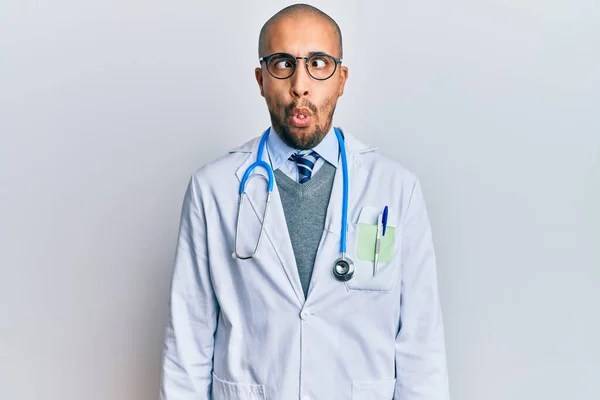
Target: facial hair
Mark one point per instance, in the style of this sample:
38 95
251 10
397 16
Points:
305 141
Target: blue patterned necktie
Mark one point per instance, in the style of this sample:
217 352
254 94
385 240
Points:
306 161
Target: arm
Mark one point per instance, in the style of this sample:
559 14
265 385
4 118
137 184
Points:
193 310
421 372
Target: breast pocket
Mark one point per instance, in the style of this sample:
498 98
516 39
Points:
222 390
362 238
380 390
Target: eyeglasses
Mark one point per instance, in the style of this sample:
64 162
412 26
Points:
320 66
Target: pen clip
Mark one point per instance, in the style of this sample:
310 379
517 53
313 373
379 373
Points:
385 218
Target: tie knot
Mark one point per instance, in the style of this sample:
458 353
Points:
309 155
306 162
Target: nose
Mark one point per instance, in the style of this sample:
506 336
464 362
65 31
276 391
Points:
300 81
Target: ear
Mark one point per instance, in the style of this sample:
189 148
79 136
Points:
343 78
259 80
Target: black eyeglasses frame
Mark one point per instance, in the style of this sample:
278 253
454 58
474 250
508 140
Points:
338 61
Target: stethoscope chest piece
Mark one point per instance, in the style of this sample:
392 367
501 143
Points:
343 269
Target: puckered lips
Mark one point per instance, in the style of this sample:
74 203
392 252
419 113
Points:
301 117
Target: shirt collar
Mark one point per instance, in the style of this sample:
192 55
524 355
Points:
280 152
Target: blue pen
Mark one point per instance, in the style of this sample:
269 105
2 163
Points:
384 219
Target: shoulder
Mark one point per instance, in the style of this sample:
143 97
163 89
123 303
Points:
373 160
227 164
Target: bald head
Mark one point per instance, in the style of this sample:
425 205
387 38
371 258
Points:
296 11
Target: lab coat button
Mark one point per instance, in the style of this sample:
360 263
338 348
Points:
304 315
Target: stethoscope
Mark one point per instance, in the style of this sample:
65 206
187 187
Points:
343 267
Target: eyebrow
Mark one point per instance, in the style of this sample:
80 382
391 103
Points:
312 53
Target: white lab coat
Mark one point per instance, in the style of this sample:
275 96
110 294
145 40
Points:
243 330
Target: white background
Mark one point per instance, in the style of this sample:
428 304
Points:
107 107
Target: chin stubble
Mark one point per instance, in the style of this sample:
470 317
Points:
303 142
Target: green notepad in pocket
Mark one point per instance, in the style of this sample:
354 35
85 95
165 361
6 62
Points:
367 237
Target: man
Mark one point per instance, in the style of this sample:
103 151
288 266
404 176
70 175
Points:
277 320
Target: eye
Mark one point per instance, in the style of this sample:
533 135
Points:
282 63
319 62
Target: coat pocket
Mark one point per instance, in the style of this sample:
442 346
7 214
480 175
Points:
222 390
373 390
361 247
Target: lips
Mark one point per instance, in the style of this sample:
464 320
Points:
300 117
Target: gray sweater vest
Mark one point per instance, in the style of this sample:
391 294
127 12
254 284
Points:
305 208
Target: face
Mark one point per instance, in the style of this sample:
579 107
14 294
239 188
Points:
300 106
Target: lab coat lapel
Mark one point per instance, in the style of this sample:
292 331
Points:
276 231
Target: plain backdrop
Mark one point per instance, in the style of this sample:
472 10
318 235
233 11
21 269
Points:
107 107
